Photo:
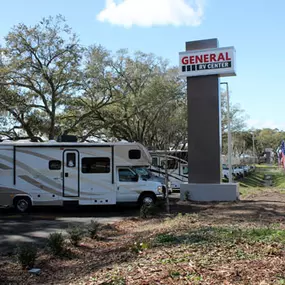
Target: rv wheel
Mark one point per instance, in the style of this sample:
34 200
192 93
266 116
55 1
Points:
147 198
22 204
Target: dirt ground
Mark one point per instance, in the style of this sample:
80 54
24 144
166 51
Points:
198 243
265 206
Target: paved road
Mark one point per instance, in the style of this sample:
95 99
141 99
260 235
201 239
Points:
36 226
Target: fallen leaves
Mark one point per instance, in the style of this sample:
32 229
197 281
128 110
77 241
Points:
224 244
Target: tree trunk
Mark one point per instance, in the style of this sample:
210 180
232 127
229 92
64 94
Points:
52 119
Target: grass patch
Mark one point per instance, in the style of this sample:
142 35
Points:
279 179
255 182
233 235
222 243
224 235
166 238
256 179
208 246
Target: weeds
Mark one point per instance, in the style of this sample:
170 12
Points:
187 196
174 274
26 255
75 234
165 238
116 280
147 210
56 243
139 247
93 229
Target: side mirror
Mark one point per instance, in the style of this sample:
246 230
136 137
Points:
135 178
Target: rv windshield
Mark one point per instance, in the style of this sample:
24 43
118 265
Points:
142 171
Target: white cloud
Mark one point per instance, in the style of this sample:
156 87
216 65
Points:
259 124
147 13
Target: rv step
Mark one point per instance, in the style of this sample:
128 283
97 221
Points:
70 203
175 190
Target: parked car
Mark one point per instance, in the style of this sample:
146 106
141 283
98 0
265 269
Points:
225 172
239 171
246 169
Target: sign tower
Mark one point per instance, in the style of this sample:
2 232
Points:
202 64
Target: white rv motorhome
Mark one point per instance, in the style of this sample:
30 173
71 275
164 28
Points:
58 173
177 168
175 161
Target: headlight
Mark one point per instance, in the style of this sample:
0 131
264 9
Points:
159 189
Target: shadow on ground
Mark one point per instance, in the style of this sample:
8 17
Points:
35 227
269 208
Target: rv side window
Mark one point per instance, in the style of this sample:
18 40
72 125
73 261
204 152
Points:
134 154
126 175
154 161
54 165
95 165
70 159
185 170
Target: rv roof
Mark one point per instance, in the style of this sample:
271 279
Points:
168 151
54 143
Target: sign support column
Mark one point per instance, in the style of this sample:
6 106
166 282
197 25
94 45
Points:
203 123
202 64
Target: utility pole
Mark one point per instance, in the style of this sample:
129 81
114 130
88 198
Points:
166 182
229 133
253 147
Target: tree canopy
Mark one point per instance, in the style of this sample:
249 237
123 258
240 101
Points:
51 85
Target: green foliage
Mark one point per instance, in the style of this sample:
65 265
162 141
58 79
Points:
281 281
75 234
216 234
116 280
26 255
268 138
139 247
148 210
174 274
194 278
49 90
41 70
187 195
237 115
220 235
55 243
256 182
165 238
93 229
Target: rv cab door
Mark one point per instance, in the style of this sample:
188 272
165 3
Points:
127 185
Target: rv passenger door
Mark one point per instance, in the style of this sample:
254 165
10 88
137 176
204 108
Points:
70 173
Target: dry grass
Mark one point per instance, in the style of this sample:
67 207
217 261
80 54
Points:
218 243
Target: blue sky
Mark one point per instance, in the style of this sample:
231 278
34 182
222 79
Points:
254 27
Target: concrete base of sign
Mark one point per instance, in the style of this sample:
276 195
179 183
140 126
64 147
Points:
209 192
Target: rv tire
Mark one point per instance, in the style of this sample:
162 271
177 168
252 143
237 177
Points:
22 204
147 198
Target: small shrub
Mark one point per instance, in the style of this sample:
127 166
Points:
93 228
147 210
160 204
174 274
26 255
166 238
187 196
139 247
75 235
56 243
116 280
